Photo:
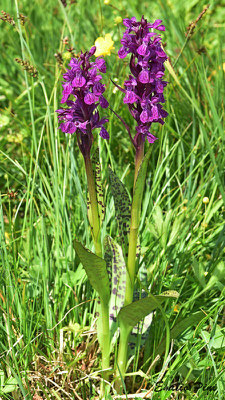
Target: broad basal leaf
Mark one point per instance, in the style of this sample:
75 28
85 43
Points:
122 208
95 268
133 313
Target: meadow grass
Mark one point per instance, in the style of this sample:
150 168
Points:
48 345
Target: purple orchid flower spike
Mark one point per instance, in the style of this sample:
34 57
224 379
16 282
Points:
81 116
145 86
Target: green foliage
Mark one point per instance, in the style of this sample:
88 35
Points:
99 189
122 209
116 268
131 314
95 268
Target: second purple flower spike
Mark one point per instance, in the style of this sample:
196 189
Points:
145 86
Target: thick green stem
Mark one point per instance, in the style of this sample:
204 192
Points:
131 263
133 237
122 358
94 206
103 328
138 160
105 337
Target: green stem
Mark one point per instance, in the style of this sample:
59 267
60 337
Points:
94 205
105 338
133 237
104 314
122 358
138 160
130 276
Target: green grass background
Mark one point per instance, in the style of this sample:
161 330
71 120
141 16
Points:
47 344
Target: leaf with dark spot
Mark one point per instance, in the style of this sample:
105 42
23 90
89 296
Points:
122 209
116 268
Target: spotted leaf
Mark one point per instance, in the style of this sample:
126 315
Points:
99 189
122 209
116 268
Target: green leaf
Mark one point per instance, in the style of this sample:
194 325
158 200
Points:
217 275
7 386
180 328
216 340
98 184
95 268
199 271
116 268
133 313
99 189
122 208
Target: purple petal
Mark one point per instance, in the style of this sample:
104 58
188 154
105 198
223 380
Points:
122 53
103 102
89 98
92 51
67 90
98 88
159 87
103 133
142 50
160 53
68 127
144 117
143 76
154 113
130 97
100 62
129 22
78 81
151 138
161 28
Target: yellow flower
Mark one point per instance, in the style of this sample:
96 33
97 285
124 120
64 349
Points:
176 308
118 20
104 45
67 55
106 2
205 200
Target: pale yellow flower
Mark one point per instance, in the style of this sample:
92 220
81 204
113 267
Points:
205 200
104 45
106 2
118 20
67 55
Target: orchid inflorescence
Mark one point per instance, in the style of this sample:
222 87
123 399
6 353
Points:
144 88
81 116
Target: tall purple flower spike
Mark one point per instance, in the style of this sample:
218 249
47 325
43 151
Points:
145 86
81 116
